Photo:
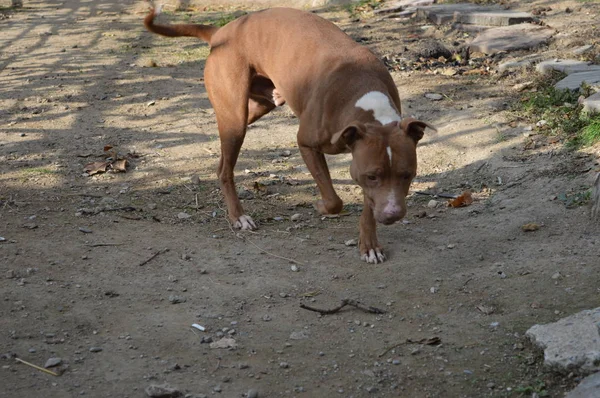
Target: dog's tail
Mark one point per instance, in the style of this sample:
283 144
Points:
204 32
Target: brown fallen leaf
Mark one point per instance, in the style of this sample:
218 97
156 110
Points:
463 200
485 309
107 148
530 227
260 187
119 165
95 167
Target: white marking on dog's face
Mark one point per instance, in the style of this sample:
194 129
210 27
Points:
389 152
379 103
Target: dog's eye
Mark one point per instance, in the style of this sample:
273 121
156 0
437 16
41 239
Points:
372 178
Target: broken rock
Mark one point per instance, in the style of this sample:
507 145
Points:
570 344
509 38
162 391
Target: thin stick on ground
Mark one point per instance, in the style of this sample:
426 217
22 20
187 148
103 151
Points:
439 195
104 244
153 256
345 302
37 367
426 341
267 252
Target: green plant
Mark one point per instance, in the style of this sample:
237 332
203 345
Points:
539 388
562 113
575 199
359 7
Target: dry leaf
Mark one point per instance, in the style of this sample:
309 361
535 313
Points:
260 187
485 309
107 147
119 165
95 167
225 342
530 227
463 200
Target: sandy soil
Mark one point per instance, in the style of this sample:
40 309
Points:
126 262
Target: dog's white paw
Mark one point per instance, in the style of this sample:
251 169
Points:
374 256
245 223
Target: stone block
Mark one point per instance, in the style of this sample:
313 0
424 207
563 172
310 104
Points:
588 388
509 38
574 80
572 343
592 104
493 18
567 66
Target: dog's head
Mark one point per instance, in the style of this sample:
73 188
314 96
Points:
384 163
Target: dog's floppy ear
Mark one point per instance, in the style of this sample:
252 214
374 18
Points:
349 135
414 128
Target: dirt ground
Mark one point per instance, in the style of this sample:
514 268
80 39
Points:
124 263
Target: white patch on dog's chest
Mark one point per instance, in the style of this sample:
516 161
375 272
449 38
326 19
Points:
379 103
389 152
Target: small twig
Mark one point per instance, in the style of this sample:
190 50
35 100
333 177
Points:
480 167
439 195
153 256
427 341
104 244
37 367
345 302
267 252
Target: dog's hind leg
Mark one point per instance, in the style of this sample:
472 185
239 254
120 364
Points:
263 98
228 91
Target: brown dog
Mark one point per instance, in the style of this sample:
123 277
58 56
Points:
342 94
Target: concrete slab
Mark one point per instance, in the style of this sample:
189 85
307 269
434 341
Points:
592 103
574 80
509 38
402 5
519 63
445 13
589 387
572 343
567 66
493 18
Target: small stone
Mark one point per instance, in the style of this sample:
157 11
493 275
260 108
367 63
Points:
294 268
252 393
286 153
52 362
541 123
195 180
95 349
523 86
284 365
183 216
491 385
300 335
151 103
10 274
32 350
217 388
434 96
85 230
162 391
351 242
225 342
177 299
556 275
433 290
432 204
296 217
266 318
396 362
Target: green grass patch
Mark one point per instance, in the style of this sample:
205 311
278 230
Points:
362 6
38 170
561 112
575 199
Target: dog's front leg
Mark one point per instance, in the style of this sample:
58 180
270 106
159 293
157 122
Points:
370 251
317 165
